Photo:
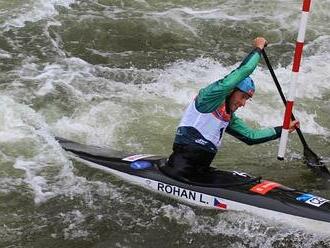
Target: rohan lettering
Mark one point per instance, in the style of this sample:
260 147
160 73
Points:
176 191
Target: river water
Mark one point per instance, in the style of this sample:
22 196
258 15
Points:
119 74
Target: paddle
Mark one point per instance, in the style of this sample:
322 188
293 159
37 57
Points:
311 159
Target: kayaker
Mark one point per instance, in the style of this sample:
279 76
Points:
212 113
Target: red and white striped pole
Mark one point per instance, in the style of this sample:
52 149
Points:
294 78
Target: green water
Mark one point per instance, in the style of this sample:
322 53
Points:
120 74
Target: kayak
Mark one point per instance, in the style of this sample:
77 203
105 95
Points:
224 190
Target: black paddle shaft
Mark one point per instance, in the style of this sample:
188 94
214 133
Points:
311 158
279 88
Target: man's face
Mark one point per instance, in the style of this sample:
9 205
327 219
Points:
237 99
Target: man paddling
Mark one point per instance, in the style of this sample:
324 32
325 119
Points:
211 114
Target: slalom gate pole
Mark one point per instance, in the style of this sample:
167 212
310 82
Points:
295 70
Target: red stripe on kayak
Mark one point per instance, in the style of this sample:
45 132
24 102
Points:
297 56
306 5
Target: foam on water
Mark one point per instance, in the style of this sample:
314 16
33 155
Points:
209 14
29 145
40 9
24 137
253 232
107 94
75 225
101 100
8 184
95 125
50 75
38 184
181 82
4 54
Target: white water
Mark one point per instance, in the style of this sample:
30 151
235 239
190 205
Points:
97 123
102 104
33 11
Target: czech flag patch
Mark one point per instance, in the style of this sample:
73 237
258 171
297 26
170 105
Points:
218 204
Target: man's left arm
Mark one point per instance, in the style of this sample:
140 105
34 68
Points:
240 130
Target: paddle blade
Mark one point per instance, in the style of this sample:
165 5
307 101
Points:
315 163
311 158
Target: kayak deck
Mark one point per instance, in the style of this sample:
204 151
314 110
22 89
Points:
238 191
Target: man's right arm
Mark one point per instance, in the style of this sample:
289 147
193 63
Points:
212 96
